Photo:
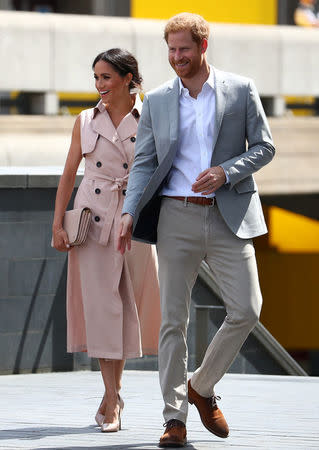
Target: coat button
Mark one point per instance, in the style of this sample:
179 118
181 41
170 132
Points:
98 164
96 218
133 139
125 165
98 191
124 192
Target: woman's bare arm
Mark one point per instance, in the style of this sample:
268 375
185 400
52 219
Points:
65 189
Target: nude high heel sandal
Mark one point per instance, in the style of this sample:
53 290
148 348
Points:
99 418
112 427
121 403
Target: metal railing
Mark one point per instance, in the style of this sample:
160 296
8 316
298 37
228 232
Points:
271 345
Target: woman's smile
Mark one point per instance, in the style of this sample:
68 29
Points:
104 93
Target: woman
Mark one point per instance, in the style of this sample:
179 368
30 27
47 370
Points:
112 300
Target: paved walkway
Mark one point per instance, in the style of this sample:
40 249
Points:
56 410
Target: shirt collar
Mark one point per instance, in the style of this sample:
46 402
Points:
210 82
136 110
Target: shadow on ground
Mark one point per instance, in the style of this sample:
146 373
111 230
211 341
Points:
34 433
147 446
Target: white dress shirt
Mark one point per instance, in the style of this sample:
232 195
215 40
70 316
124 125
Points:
195 141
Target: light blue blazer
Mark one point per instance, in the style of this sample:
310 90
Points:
242 145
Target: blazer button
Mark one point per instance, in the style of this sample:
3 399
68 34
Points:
98 164
125 165
98 191
133 139
124 192
96 218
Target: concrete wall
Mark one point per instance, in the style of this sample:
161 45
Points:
32 318
54 52
32 290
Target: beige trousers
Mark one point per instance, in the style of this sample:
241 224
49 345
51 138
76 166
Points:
187 235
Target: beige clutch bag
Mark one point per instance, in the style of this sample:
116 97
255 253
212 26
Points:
76 223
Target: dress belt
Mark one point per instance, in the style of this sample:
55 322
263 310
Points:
117 182
116 185
203 201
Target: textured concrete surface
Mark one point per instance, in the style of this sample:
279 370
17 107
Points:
56 411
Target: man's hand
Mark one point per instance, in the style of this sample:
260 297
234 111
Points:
125 233
209 181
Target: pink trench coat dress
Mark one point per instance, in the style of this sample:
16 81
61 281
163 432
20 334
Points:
113 307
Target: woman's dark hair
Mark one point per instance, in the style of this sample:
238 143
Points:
123 62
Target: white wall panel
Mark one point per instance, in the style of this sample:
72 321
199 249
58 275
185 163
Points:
252 51
54 52
25 52
76 42
150 49
300 61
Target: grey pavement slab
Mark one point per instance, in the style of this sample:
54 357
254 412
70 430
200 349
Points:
56 411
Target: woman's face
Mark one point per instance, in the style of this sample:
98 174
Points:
109 84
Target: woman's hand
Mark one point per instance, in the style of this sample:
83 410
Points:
60 240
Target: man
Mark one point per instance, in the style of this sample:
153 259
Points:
192 192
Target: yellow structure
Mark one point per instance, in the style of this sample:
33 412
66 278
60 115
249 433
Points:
231 11
288 261
73 101
73 97
307 101
292 233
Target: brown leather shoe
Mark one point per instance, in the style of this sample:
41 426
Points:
174 434
211 416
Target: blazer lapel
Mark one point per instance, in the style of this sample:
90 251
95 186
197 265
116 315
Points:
221 97
172 103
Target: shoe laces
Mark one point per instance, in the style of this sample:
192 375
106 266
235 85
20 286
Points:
173 423
214 399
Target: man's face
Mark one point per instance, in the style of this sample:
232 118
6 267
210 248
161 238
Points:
184 55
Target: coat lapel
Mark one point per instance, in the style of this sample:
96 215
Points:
172 103
128 126
221 89
172 99
102 124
